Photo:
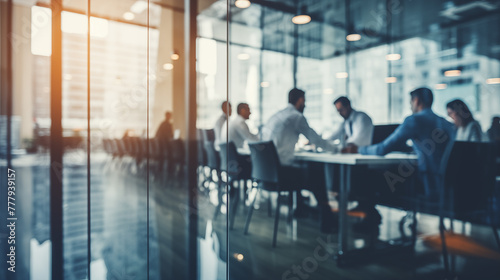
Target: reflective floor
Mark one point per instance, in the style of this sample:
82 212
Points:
120 245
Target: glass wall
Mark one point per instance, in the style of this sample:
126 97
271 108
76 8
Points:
143 197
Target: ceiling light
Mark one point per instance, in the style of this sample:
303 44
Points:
440 86
452 73
242 4
342 75
175 56
139 7
391 80
493 81
239 257
243 56
393 56
264 84
301 17
128 16
353 37
168 66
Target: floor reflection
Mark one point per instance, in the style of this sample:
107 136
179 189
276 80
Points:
119 236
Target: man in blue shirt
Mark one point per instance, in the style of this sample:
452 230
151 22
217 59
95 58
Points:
430 135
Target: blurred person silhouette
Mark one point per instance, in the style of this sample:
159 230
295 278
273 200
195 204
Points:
284 128
226 113
468 129
165 131
237 129
494 131
425 129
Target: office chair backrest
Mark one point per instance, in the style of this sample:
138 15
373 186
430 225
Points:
213 160
229 158
470 176
381 132
202 154
208 135
265 161
177 150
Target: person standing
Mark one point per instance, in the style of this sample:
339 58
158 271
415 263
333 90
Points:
284 128
165 131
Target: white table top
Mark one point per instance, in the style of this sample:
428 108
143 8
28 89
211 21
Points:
350 159
354 159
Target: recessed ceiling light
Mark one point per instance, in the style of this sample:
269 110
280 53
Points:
168 66
391 80
139 7
264 84
238 257
353 37
440 86
128 16
452 73
242 4
243 56
493 81
393 56
301 19
174 56
342 75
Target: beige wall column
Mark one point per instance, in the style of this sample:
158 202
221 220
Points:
169 93
22 70
178 85
163 91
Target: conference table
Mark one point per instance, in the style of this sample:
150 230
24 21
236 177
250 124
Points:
346 163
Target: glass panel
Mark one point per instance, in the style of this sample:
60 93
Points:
213 197
26 244
119 69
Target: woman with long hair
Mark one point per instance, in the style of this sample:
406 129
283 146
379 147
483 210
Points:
468 129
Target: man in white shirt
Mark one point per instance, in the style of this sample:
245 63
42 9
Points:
284 128
238 131
226 113
357 127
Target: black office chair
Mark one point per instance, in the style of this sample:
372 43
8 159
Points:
176 157
213 162
381 132
268 173
202 159
466 183
236 170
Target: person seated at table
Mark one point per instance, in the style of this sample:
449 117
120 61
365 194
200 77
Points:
356 129
284 128
468 129
494 131
238 131
430 135
226 113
